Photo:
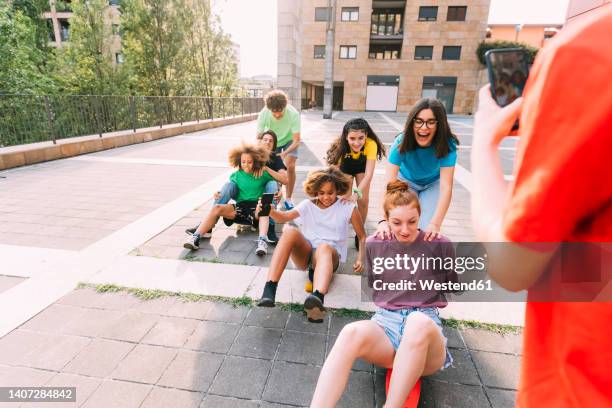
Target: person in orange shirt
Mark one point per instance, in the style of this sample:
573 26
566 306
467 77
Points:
560 194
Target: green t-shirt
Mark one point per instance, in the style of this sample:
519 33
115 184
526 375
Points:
249 187
284 128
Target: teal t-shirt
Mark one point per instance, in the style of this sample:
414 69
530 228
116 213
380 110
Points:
284 128
421 166
249 187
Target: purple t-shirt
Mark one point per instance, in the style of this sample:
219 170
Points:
402 275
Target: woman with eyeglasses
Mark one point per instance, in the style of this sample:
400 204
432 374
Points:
424 156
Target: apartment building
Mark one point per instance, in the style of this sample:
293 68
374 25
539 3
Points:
387 54
58 21
535 35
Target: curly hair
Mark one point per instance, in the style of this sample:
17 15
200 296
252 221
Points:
341 148
276 100
399 194
260 155
332 174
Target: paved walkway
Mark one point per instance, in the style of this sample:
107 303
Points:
120 351
118 217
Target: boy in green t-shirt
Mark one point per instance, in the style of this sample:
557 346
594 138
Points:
250 178
284 120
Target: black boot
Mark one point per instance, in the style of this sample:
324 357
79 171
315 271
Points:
269 295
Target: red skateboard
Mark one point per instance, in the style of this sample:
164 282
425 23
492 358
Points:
413 398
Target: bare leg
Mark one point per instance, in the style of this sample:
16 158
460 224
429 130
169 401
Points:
364 339
218 210
421 352
362 203
264 223
290 164
292 243
325 261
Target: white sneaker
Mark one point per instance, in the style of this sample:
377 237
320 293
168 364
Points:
192 243
262 247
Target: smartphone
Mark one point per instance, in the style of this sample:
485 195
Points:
266 204
508 71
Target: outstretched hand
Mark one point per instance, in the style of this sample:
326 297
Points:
432 232
383 231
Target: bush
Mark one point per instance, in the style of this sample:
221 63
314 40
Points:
486 46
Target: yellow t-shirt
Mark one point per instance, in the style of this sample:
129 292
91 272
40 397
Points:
370 150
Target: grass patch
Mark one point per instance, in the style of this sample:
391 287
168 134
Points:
149 294
193 258
471 324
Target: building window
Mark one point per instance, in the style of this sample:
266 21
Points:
350 13
348 51
451 52
456 13
387 23
64 29
319 52
50 30
385 52
322 13
423 52
427 13
119 58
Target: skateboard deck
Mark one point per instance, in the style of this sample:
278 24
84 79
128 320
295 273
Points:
413 398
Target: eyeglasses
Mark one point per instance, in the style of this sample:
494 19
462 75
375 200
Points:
428 123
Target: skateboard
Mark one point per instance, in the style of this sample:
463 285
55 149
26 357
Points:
413 398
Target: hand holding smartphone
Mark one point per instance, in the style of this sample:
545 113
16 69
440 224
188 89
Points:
266 204
508 71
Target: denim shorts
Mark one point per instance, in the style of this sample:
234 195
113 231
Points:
284 147
393 322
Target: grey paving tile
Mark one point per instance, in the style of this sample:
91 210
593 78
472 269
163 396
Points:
171 331
359 365
338 322
55 352
144 364
485 340
498 370
191 370
215 337
84 297
458 396
291 383
223 312
380 395
269 317
54 318
501 398
168 397
132 326
85 386
120 301
359 391
297 347
216 401
191 310
232 381
299 322
256 342
462 371
454 339
92 322
118 394
16 345
20 376
99 358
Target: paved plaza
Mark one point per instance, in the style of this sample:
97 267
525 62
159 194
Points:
118 217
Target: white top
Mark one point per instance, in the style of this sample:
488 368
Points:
326 225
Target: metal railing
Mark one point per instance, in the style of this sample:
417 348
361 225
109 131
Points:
38 118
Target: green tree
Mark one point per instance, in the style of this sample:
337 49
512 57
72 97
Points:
493 45
22 61
85 63
153 41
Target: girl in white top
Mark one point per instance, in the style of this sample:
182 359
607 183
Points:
320 244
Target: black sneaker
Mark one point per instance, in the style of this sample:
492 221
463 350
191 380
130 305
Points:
268 296
272 237
192 244
191 231
315 311
356 242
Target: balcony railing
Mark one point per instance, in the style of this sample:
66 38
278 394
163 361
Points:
39 118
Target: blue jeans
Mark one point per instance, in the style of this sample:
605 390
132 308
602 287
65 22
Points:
230 191
428 198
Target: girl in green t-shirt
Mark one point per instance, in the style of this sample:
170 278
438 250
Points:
251 176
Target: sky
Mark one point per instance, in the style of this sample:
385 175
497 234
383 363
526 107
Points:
252 25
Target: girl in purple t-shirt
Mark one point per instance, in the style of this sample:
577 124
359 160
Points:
404 335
